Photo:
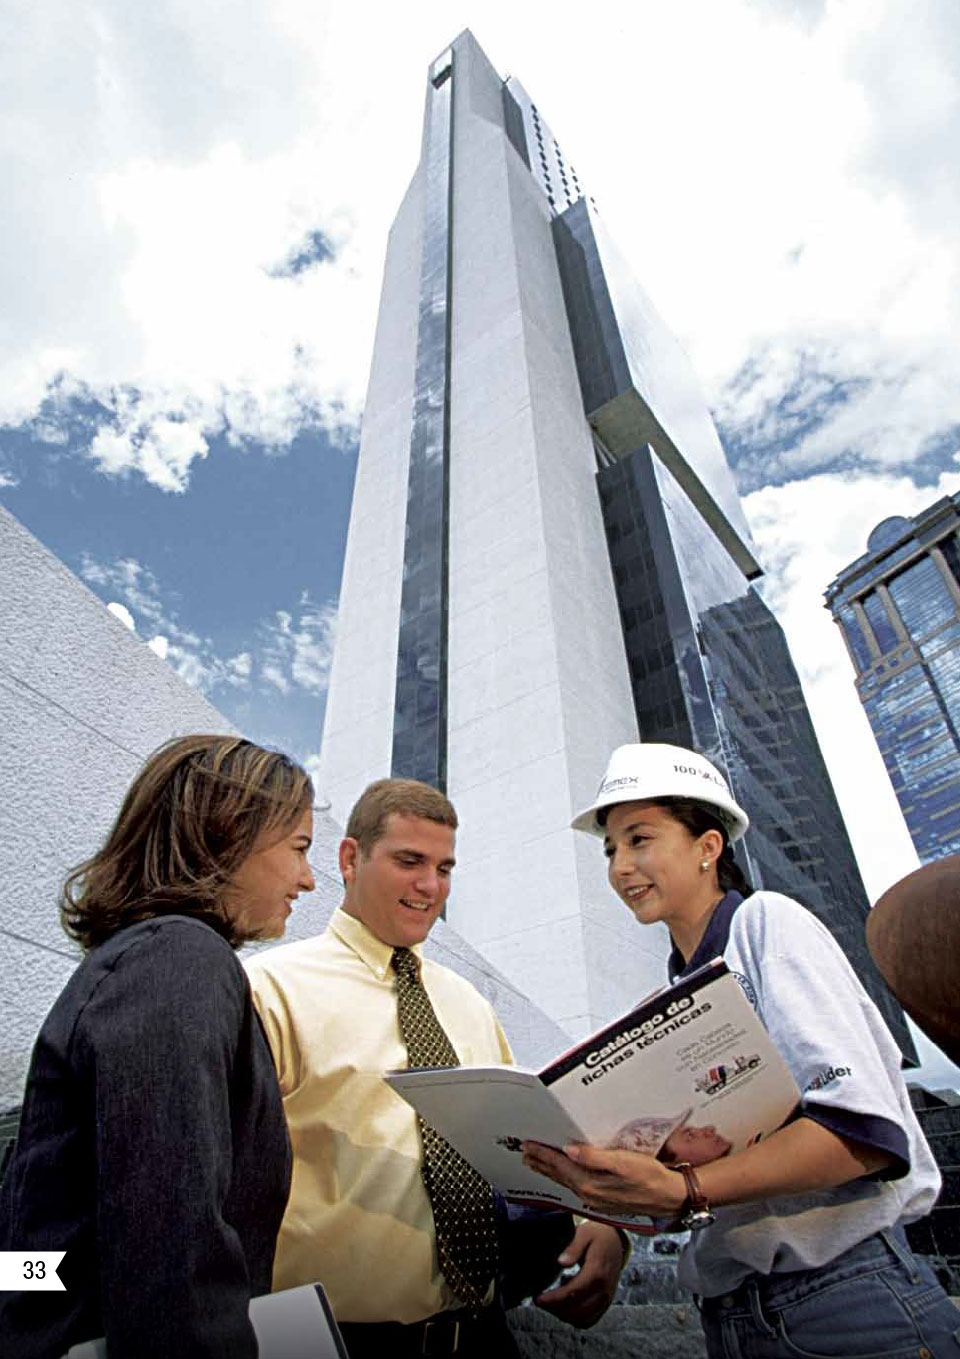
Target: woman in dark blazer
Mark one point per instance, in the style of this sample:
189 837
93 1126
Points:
152 1146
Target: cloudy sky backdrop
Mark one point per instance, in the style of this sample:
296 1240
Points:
195 200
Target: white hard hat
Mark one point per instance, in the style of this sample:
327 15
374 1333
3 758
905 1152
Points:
648 770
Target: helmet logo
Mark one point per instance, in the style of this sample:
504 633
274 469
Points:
624 782
654 771
700 773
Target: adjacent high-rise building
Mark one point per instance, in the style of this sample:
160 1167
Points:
547 557
898 608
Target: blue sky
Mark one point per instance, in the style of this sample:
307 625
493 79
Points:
195 214
234 580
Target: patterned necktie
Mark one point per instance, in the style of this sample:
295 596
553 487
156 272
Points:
461 1200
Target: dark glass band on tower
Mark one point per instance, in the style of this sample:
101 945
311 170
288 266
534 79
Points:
420 710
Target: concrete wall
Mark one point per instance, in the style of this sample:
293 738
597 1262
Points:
82 702
656 1331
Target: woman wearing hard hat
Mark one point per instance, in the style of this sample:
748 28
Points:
797 1245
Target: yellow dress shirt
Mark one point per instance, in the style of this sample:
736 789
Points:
358 1220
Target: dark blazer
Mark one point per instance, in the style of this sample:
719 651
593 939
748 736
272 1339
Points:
153 1149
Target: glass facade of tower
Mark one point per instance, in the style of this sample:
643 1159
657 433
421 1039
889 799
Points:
709 664
710 669
898 608
638 385
420 720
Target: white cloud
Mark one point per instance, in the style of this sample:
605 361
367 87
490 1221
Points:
188 153
806 533
298 650
272 673
201 666
192 667
8 479
43 431
781 185
161 448
141 592
113 452
914 105
123 613
779 216
290 651
193 657
312 765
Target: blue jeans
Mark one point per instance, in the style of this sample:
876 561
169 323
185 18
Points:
875 1299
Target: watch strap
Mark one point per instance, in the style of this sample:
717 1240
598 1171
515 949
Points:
695 1212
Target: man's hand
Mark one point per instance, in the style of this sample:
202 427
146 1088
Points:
611 1182
582 1300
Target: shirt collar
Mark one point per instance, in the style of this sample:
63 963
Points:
714 940
365 944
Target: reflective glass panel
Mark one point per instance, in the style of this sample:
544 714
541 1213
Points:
854 635
420 721
879 620
922 598
710 669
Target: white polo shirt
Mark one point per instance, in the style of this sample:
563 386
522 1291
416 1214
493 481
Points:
847 1067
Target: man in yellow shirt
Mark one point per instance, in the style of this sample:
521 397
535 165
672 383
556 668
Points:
359 1217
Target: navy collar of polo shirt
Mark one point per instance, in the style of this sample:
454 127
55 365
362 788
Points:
712 944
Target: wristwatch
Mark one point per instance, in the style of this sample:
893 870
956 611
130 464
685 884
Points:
695 1210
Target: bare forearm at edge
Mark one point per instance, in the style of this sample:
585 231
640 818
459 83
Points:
795 1160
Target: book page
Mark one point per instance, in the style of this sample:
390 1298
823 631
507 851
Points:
696 1069
486 1112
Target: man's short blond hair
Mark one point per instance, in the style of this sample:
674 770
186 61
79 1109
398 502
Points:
396 797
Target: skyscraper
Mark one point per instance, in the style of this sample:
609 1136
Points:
547 557
898 608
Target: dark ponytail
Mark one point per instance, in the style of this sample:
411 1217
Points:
730 875
698 818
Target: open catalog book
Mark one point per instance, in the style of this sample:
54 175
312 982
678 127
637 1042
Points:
690 1075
